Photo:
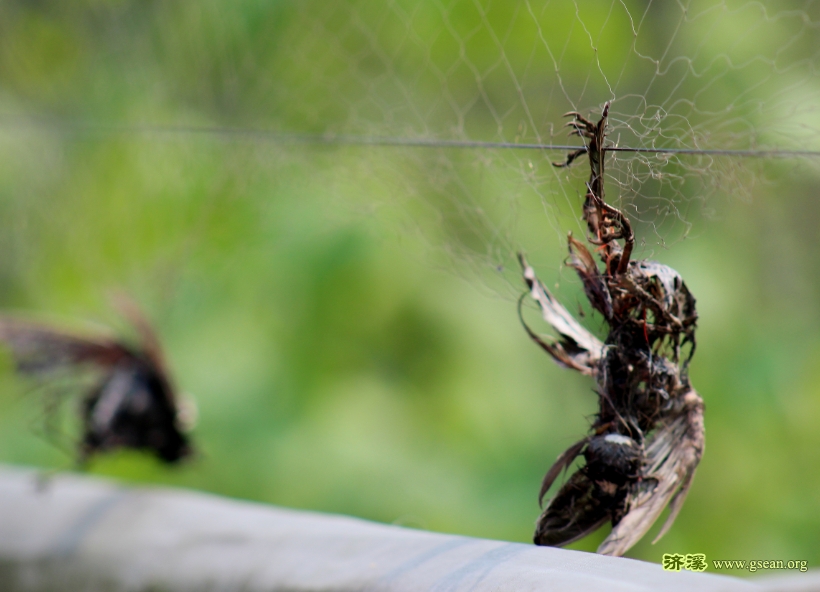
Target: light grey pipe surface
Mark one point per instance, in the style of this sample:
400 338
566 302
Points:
85 534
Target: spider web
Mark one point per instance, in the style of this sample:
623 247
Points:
444 110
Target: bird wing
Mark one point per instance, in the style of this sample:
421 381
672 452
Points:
575 347
673 452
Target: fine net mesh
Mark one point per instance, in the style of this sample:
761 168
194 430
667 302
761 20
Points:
449 110
705 77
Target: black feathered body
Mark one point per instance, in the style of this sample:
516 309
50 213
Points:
647 437
126 398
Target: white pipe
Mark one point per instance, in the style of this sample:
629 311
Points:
85 534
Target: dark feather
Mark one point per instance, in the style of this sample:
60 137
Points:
572 514
562 462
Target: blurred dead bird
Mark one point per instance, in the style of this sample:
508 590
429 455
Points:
648 435
126 397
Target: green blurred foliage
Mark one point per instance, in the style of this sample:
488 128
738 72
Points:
337 311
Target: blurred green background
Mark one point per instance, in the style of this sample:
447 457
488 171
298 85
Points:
344 315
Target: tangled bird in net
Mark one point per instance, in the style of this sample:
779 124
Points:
648 436
126 395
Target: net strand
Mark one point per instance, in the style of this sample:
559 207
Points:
386 141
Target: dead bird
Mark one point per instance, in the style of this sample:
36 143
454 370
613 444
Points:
126 396
648 436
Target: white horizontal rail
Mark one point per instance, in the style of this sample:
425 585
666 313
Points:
84 534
